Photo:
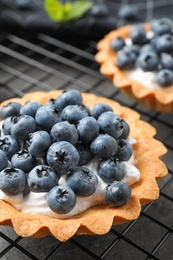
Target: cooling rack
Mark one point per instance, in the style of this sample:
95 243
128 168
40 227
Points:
43 62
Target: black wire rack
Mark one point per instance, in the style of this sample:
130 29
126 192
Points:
43 62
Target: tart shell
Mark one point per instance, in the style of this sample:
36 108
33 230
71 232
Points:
160 100
97 220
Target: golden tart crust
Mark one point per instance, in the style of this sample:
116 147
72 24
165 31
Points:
160 100
98 219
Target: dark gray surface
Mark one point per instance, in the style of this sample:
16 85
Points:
44 63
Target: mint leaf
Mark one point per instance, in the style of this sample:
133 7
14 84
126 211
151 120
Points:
59 12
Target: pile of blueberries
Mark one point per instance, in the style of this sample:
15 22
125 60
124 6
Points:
41 143
148 53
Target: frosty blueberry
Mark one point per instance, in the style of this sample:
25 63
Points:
38 143
23 160
3 160
104 146
74 113
161 26
148 61
111 170
85 154
10 109
12 181
61 199
117 193
100 108
62 156
88 129
82 181
9 145
64 131
165 77
69 97
30 108
42 178
124 151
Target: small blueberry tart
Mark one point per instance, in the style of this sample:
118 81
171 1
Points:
139 60
76 172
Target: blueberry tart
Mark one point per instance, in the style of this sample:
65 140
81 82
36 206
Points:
138 59
85 163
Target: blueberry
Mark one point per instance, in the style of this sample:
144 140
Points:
6 125
3 160
47 116
147 48
165 77
82 181
124 151
42 178
38 143
161 26
62 156
99 10
128 12
74 113
88 129
126 59
10 109
9 145
30 108
104 146
85 154
12 181
61 199
138 34
111 170
69 97
64 131
132 48
52 102
148 61
117 44
118 193
23 160
164 43
166 61
126 130
100 108
22 126
111 124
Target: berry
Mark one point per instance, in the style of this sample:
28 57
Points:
9 145
104 146
88 129
47 116
12 181
100 108
99 10
62 157
147 48
3 160
138 34
117 193
164 43
126 59
38 143
128 12
126 130
124 151
42 178
148 61
166 61
85 154
61 199
22 126
165 77
30 108
74 113
23 160
111 169
82 181
10 109
117 44
64 131
161 26
69 97
6 125
111 124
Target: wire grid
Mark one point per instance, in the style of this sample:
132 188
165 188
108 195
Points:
45 63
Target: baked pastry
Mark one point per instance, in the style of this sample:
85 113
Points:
138 59
97 219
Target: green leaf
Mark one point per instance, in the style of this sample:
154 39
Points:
59 12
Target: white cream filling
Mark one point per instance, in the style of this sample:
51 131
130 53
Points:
35 203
